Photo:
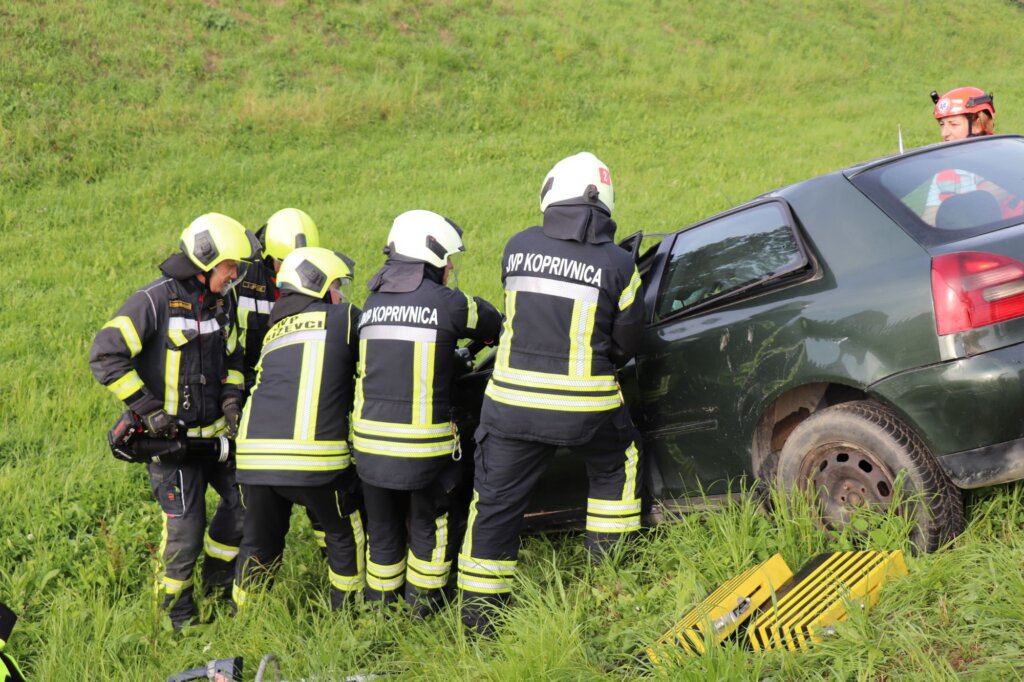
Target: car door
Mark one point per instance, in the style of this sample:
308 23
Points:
712 310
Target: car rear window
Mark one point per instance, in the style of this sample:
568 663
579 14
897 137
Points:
951 191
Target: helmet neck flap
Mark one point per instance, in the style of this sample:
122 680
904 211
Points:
584 223
401 275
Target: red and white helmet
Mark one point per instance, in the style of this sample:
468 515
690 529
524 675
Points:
963 101
581 176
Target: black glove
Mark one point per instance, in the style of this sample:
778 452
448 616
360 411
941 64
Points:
232 409
160 424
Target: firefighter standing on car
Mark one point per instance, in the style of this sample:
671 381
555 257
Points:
285 231
573 313
171 353
292 446
406 445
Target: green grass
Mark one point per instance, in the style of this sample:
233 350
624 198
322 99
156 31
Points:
120 122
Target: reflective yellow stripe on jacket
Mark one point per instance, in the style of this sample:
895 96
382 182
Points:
422 437
577 390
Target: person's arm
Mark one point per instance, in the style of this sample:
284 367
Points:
628 322
234 383
117 343
483 321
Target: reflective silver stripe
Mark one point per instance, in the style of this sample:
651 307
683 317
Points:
395 332
411 431
256 304
582 342
553 287
497 566
285 462
425 450
186 324
425 387
613 525
534 379
256 446
296 337
471 313
494 585
311 370
553 401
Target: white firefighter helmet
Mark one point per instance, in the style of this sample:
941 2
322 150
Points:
425 236
581 176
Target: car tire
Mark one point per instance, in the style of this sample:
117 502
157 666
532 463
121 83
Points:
853 451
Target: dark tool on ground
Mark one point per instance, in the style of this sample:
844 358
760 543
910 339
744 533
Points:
129 442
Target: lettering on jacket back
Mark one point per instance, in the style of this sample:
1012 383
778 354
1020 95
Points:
413 314
556 266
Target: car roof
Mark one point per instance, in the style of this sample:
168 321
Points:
855 170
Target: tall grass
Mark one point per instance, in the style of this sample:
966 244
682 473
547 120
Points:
121 121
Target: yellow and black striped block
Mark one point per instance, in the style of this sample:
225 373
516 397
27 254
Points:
723 611
818 596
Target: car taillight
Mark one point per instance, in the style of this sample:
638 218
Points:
973 289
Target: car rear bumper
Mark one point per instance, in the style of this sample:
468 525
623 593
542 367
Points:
990 465
970 412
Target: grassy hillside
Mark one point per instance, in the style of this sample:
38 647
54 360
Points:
121 121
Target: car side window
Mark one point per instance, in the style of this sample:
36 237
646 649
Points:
732 254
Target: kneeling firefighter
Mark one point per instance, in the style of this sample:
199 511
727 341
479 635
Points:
405 441
292 445
171 354
573 314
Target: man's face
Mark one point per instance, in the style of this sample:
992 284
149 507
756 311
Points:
953 128
223 275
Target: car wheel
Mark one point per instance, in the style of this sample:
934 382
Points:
852 452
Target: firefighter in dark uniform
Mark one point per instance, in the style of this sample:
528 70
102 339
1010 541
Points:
286 230
405 442
292 447
171 353
573 313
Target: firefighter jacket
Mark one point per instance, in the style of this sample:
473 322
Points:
256 297
294 428
573 312
172 345
9 670
402 428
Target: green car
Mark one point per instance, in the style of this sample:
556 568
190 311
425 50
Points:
835 333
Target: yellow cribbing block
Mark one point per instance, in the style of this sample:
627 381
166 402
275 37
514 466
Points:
818 596
724 610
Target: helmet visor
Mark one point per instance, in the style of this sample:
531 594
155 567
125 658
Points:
240 271
452 269
340 290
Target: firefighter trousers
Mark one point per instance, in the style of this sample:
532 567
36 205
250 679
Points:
180 489
505 474
410 543
268 511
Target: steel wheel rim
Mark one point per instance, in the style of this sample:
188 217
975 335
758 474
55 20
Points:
846 477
